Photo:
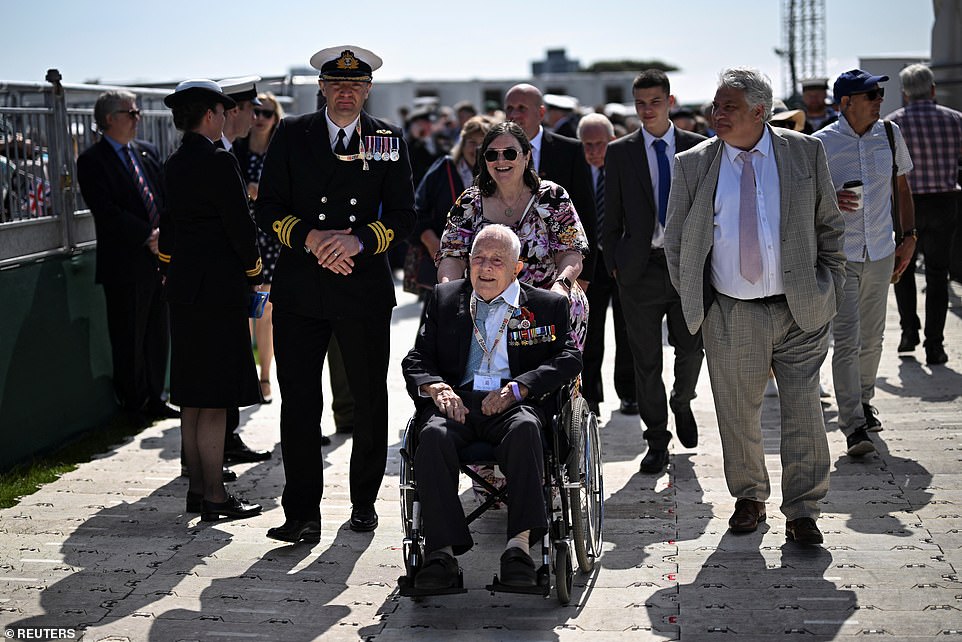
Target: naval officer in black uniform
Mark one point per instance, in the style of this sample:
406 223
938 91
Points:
336 191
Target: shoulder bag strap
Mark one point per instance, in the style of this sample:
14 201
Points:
896 218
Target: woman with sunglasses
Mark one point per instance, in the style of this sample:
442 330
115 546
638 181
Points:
439 189
208 253
250 153
507 190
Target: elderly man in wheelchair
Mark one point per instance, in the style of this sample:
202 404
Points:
478 381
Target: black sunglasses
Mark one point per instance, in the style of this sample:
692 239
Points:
264 113
509 153
872 94
133 113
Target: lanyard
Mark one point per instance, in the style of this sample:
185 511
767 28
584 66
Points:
488 355
360 152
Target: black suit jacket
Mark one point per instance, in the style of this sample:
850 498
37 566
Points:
120 216
563 162
440 352
208 240
631 204
304 186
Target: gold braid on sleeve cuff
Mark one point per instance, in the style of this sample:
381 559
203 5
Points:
257 268
383 235
283 228
164 258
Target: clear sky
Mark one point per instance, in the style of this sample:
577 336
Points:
132 40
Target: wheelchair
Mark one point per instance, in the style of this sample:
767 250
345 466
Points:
573 491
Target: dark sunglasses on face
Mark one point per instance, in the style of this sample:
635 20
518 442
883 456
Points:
878 92
509 153
264 113
133 113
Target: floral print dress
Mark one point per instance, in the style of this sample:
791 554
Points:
548 225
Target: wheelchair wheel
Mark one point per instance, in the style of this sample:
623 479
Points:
562 572
584 468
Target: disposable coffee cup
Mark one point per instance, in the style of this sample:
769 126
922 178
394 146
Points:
855 186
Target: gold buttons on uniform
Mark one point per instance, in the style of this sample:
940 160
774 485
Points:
352 218
321 217
323 199
353 201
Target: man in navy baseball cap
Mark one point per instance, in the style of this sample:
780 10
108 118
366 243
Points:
854 82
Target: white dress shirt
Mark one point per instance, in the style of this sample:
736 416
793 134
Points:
725 259
536 149
499 362
333 127
658 235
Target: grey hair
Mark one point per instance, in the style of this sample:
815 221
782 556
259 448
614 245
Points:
596 119
107 103
755 84
501 234
917 82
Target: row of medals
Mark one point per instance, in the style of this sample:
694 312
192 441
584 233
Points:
383 148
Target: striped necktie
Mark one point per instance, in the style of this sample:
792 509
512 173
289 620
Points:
475 355
600 202
143 187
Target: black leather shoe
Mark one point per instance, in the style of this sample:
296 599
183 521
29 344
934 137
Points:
910 339
233 508
195 502
237 452
935 355
629 407
872 424
859 443
227 475
363 519
325 440
517 568
654 461
804 531
297 530
748 513
686 426
160 410
439 571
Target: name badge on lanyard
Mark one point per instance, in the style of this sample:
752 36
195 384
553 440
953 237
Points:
485 379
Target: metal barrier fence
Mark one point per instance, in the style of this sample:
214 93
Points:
43 128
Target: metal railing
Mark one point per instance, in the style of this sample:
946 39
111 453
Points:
43 128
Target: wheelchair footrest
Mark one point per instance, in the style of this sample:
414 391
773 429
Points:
542 588
406 588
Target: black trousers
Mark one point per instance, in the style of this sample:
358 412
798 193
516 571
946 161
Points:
516 435
139 329
645 304
300 345
602 292
935 219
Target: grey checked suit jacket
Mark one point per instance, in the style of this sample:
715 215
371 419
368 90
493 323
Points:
813 265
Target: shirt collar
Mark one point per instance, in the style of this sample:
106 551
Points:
511 295
845 127
536 141
117 146
763 146
332 128
669 136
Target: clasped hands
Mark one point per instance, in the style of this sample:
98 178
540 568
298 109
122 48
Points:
333 249
452 406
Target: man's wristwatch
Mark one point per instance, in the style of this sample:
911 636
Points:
914 233
565 281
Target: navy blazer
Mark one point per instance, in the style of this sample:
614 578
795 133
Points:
631 204
440 352
120 216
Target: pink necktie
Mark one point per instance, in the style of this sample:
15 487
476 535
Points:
750 255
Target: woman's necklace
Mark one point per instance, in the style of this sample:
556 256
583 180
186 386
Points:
509 209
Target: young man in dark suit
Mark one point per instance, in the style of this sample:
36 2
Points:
638 178
121 180
472 373
336 191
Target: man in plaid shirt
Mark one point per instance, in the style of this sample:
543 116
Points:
933 134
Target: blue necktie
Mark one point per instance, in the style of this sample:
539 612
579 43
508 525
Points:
600 203
664 179
143 187
476 354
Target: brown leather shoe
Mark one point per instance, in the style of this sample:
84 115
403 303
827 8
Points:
747 514
804 531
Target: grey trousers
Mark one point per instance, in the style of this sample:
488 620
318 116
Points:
743 339
857 330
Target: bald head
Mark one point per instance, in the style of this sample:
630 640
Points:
524 105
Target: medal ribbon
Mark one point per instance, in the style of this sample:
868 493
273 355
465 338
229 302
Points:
360 152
